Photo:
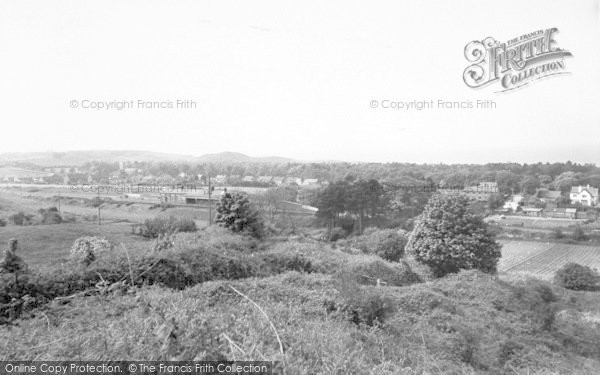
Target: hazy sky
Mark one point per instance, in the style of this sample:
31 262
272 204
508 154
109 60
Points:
292 78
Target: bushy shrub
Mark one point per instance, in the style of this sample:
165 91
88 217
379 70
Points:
163 225
577 277
449 238
579 234
50 216
2 223
164 242
20 218
346 223
337 233
369 273
288 262
557 234
508 350
235 213
85 249
387 243
544 291
363 305
95 202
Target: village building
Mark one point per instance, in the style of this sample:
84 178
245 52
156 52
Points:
533 211
481 192
293 180
310 182
561 213
265 179
584 195
16 175
514 203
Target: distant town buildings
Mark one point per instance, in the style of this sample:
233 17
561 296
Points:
481 191
20 175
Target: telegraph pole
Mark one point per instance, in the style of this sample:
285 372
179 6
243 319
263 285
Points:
99 206
59 201
209 203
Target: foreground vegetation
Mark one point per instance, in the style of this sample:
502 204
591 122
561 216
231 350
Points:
329 315
382 302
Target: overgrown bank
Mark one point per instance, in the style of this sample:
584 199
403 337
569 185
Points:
461 324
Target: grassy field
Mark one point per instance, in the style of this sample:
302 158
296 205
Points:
542 260
45 245
14 200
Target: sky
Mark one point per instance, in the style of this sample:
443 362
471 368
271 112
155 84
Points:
292 78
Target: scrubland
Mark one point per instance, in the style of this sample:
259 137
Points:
325 313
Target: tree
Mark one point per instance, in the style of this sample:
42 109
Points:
269 201
364 198
565 181
235 212
12 263
495 201
508 182
529 185
447 238
331 202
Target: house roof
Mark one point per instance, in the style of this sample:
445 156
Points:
555 210
549 194
579 189
532 209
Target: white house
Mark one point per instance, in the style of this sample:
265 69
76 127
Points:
514 203
585 195
264 179
310 182
220 179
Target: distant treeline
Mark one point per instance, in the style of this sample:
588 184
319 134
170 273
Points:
511 177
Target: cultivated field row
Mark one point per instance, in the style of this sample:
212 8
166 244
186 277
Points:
544 259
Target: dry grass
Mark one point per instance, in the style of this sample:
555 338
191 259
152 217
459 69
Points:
448 326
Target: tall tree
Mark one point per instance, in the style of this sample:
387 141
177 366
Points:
448 238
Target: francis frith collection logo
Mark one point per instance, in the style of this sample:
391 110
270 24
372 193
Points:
515 63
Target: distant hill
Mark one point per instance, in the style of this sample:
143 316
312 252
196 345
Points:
236 157
77 158
9 172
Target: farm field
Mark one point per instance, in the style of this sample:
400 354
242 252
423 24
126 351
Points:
42 246
28 202
542 260
539 222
